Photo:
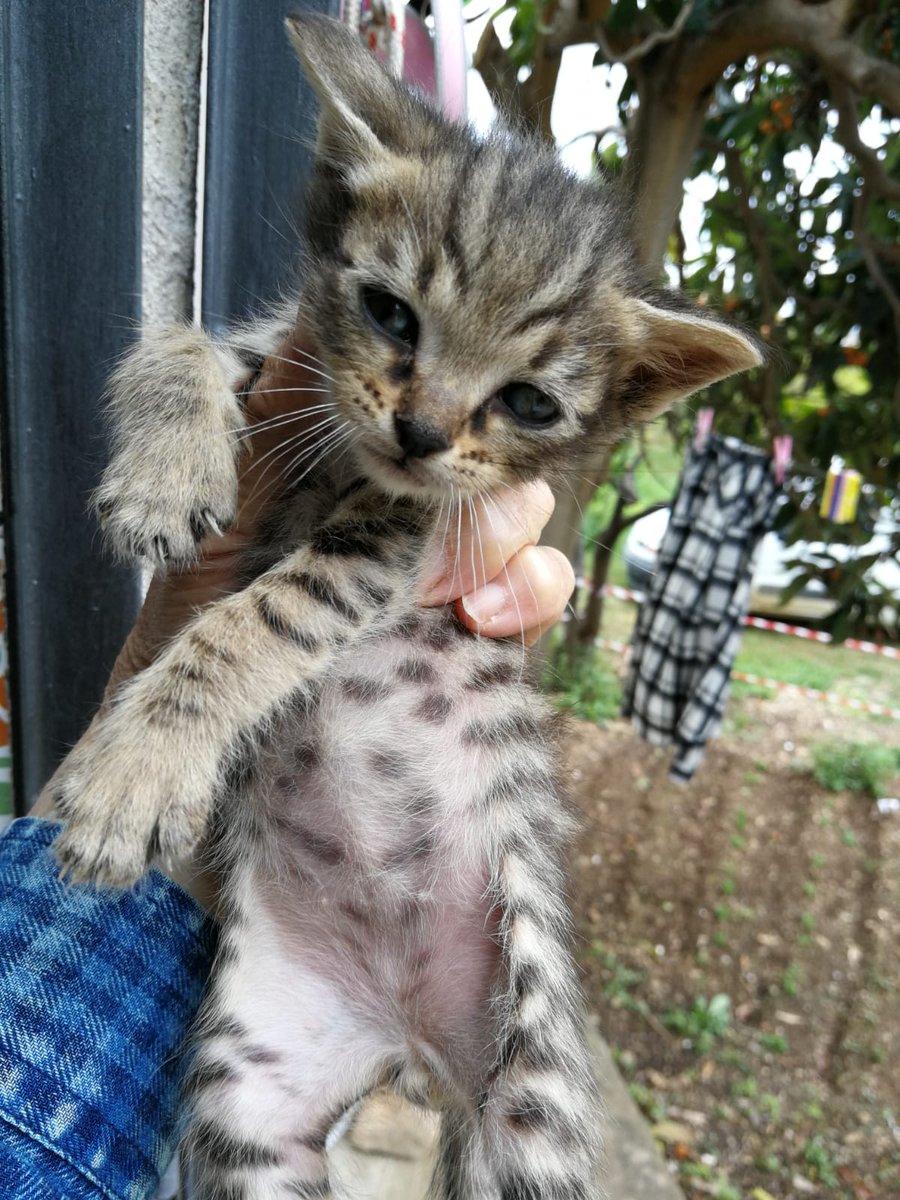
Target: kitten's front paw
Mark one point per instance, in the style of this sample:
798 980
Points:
160 504
127 797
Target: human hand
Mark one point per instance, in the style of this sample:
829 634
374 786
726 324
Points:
501 581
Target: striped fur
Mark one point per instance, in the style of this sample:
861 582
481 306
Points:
382 788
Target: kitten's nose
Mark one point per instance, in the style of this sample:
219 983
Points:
417 437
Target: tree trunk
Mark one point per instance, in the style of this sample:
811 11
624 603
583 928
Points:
662 141
564 527
589 626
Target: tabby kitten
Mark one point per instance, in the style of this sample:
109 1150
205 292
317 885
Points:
385 785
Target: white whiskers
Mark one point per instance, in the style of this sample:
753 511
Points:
282 450
328 446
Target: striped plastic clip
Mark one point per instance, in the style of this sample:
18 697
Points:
703 427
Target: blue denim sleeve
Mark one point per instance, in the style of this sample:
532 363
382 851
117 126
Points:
97 993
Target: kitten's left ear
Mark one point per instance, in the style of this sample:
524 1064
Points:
365 112
676 353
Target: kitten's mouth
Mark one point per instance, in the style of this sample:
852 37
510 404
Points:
399 473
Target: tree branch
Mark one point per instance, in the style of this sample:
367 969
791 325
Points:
870 166
538 89
499 73
597 134
529 101
659 37
867 249
627 522
818 30
769 283
888 251
771 289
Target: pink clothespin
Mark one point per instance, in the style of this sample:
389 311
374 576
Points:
782 448
703 426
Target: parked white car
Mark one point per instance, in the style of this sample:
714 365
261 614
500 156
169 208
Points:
772 574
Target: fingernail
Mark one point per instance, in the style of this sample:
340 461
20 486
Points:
486 603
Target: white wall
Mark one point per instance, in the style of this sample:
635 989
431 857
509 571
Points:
173 36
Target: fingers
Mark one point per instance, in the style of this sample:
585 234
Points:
292 379
486 554
475 540
291 414
528 596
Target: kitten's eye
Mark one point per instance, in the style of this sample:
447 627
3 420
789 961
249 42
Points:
393 317
529 405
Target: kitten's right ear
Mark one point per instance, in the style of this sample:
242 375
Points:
676 352
362 106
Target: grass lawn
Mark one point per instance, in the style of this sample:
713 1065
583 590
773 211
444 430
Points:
789 660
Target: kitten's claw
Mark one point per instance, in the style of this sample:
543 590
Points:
207 522
86 860
213 524
115 841
161 550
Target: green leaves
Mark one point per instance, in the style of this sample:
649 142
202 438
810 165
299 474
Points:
778 250
855 766
526 25
704 1023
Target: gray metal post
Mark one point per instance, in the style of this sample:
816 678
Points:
260 133
70 167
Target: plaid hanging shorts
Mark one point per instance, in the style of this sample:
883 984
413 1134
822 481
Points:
689 627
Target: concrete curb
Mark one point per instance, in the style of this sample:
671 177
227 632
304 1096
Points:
634 1168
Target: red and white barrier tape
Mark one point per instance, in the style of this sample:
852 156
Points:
872 648
609 644
800 631
878 710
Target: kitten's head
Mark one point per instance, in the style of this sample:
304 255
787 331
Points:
477 306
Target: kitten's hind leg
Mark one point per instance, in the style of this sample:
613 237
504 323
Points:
453 1170
537 1124
285 1049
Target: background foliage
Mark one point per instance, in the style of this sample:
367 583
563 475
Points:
785 114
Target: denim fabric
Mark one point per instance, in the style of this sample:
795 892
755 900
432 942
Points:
97 993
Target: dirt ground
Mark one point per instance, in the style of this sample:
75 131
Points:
739 937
